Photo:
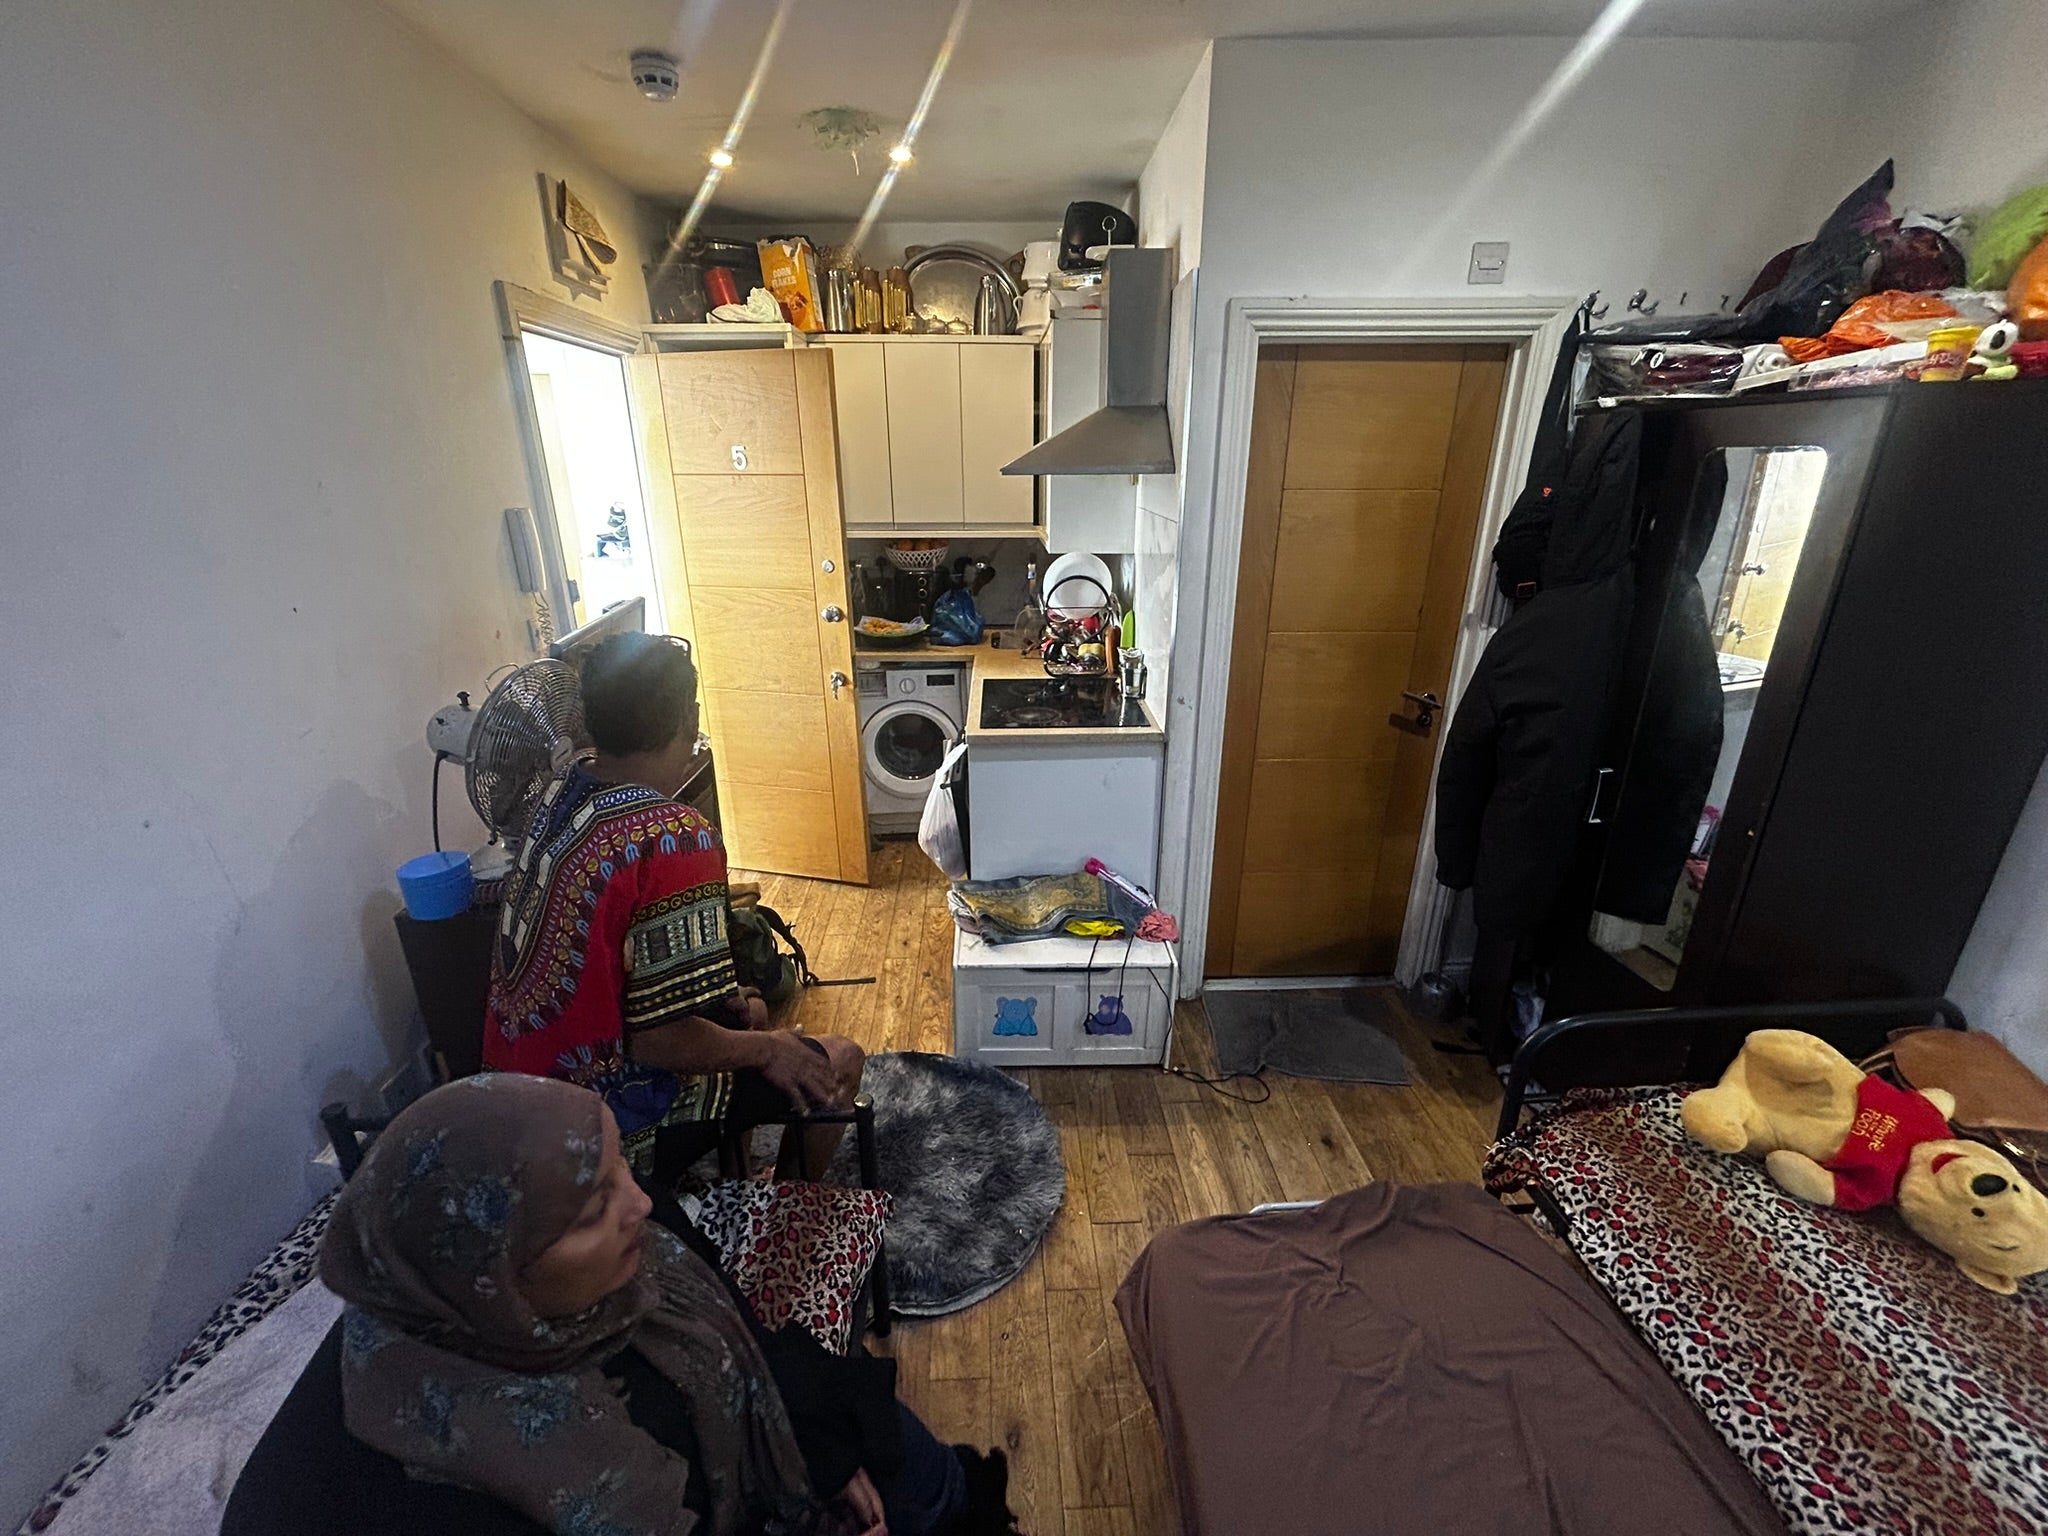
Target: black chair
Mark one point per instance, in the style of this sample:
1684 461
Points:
347 1133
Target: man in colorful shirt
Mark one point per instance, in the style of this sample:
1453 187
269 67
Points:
613 968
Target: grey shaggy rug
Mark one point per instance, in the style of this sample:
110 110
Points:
974 1166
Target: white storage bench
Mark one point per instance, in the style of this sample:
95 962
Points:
1061 1002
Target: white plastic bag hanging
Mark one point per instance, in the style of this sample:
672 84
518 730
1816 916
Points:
938 833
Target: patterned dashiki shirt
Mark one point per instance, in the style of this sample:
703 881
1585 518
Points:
614 922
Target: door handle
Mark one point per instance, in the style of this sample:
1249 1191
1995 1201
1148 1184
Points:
1423 720
833 614
838 681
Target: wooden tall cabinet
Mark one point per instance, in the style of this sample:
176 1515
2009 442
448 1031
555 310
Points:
743 470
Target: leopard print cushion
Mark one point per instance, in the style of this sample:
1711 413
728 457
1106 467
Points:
1865 1382
799 1252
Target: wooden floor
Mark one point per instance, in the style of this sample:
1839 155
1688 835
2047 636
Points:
1041 1367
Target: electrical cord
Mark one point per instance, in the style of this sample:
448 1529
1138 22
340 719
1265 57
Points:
436 800
1216 1085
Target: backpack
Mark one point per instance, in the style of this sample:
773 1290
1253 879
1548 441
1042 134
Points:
757 957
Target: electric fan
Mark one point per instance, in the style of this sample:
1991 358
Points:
510 749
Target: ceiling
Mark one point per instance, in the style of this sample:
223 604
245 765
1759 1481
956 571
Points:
1045 101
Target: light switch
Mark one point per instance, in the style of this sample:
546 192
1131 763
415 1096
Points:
1489 262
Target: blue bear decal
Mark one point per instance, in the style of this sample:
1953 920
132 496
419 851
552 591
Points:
1109 1018
1016 1016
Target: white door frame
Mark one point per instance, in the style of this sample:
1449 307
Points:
521 310
1533 329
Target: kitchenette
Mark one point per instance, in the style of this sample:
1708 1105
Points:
941 508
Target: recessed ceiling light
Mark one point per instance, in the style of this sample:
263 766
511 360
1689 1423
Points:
722 158
901 154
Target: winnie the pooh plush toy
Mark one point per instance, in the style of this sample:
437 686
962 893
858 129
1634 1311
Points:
1834 1136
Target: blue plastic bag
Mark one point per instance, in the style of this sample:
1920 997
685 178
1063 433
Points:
955 619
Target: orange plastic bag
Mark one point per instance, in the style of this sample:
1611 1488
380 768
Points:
2027 297
1862 325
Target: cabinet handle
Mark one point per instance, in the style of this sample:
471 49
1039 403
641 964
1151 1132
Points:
838 681
833 614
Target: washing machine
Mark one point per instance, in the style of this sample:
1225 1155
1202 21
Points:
911 714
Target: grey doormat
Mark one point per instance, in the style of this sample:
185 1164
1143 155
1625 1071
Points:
1339 1034
974 1167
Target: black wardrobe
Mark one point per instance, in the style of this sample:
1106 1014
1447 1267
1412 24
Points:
1832 703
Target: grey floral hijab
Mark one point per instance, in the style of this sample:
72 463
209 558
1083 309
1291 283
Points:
446 1367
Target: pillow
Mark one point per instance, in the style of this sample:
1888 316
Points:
799 1252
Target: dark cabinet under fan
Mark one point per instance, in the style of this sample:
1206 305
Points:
1832 704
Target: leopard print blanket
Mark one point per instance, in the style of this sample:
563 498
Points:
1865 1382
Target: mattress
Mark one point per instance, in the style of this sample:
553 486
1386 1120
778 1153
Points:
1861 1378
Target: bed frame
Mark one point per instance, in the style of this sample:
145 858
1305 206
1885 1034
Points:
1693 1044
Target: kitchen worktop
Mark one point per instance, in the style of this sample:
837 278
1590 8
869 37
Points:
923 655
1001 664
989 662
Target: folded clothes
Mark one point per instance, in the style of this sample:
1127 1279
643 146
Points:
1042 907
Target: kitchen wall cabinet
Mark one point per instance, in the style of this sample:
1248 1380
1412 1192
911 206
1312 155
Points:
926 424
923 389
1097 514
997 386
862 404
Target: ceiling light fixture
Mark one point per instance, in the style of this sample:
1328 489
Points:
906 147
687 225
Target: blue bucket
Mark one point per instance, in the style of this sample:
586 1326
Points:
436 885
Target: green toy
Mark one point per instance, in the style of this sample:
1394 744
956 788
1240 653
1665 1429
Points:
2005 237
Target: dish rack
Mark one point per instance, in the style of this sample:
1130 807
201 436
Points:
1077 635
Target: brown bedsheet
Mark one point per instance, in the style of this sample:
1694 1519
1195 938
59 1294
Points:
1410 1360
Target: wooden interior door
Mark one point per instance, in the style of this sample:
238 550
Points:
1368 465
752 536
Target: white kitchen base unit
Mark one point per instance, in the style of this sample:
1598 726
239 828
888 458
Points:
1046 802
1061 1002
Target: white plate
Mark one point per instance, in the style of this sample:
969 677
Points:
1080 595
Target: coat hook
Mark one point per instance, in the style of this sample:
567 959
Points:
1639 302
1725 299
1683 297
1592 299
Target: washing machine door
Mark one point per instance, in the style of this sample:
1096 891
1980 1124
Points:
903 744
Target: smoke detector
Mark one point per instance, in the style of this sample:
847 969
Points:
655 74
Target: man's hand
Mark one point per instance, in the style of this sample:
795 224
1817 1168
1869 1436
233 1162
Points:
802 1073
860 1497
751 1009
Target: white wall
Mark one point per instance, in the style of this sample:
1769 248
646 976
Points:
1961 113
1346 169
256 434
1955 94
1170 214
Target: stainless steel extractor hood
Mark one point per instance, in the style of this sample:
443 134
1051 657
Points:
1129 435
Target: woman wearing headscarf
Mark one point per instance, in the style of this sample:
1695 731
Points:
533 1352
